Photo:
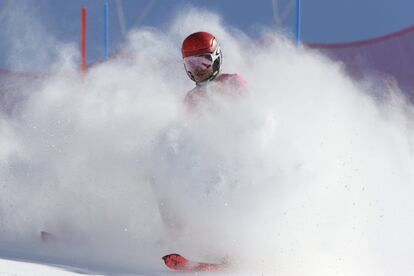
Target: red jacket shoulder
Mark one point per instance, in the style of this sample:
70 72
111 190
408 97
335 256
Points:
233 79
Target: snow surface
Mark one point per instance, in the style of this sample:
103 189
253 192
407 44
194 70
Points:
26 268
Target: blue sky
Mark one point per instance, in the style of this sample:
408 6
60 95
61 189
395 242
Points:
325 21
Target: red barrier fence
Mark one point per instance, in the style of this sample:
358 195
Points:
391 54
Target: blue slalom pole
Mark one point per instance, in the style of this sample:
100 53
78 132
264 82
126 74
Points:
298 22
106 30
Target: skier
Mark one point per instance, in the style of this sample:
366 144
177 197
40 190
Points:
202 61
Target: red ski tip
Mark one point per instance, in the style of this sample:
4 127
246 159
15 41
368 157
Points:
178 262
175 261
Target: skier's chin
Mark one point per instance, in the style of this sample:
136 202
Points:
202 76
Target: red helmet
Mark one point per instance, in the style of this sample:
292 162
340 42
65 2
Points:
202 56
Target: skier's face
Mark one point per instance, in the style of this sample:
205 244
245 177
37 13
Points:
201 67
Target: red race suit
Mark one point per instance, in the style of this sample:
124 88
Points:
226 84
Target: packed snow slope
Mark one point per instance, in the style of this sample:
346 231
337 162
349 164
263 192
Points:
19 268
309 174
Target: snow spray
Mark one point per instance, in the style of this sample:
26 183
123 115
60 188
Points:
309 174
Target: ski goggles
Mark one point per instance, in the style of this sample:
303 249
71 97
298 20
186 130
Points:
198 63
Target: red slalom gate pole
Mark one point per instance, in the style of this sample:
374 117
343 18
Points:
83 41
